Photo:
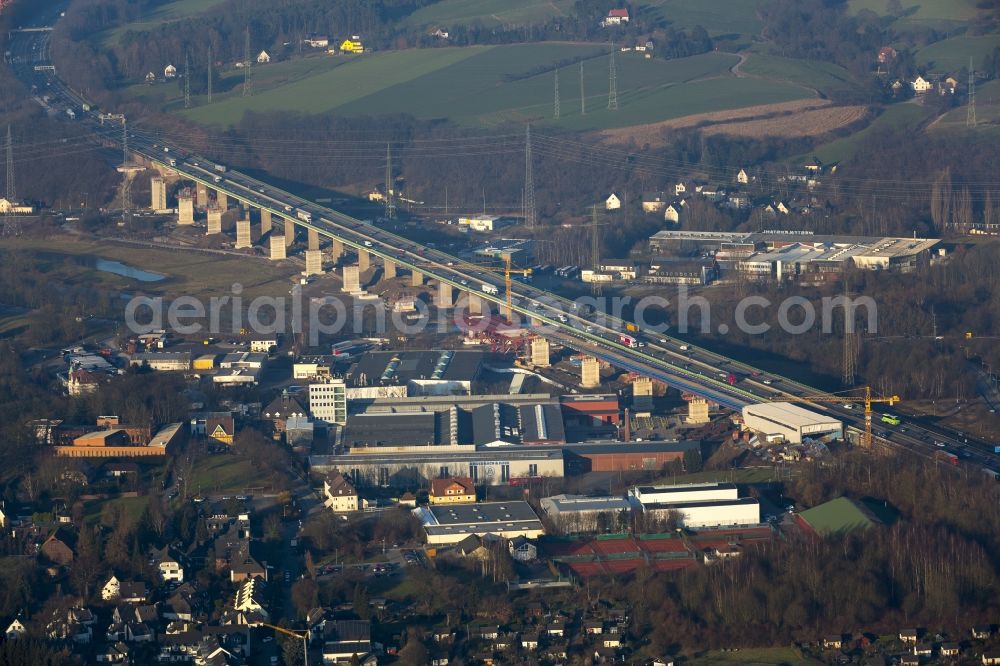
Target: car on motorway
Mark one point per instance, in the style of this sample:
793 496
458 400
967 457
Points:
768 381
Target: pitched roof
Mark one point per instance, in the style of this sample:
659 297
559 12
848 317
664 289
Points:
439 487
340 485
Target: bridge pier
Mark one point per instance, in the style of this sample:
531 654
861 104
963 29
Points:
185 208
540 353
214 220
278 248
474 304
313 243
202 195
388 270
352 279
642 394
314 262
265 222
158 193
221 200
444 296
289 232
416 278
243 237
336 249
590 372
364 260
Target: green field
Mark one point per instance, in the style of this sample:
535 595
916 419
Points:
227 474
837 516
922 10
950 55
132 508
826 77
716 16
987 112
449 13
896 116
748 475
488 86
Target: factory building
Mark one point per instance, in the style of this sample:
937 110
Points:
695 505
579 514
451 523
421 372
782 421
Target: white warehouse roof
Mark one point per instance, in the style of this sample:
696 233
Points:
791 421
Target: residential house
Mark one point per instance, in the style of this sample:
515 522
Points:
679 189
742 177
982 632
909 635
345 639
615 17
921 85
128 591
529 641
522 550
440 34
282 408
886 54
150 77
340 494
263 58
923 650
813 165
611 641
991 657
950 649
556 628
15 629
593 627
317 42
653 202
220 426
454 490
833 642
113 653
948 86
57 547
473 546
168 566
169 72
263 344
352 45
248 604
7 206
672 213
613 202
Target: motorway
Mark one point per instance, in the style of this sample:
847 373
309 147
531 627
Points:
674 362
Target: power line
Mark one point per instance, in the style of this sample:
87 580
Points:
209 73
583 97
390 204
555 111
595 254
247 79
187 80
11 223
612 82
529 182
970 116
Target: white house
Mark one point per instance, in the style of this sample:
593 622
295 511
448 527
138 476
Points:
169 72
921 85
170 569
742 177
15 208
111 589
679 189
613 202
672 213
341 497
615 17
15 630
317 42
263 58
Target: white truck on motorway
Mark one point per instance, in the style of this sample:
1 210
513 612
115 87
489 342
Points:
304 215
490 289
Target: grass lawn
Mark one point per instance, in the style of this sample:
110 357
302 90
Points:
837 516
950 55
751 657
716 16
897 115
132 508
193 273
824 76
225 473
490 86
987 112
449 13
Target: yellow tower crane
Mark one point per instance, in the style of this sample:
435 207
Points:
295 633
506 270
848 397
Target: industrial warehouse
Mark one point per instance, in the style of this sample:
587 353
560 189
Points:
782 421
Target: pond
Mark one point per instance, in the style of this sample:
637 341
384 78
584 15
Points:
118 268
